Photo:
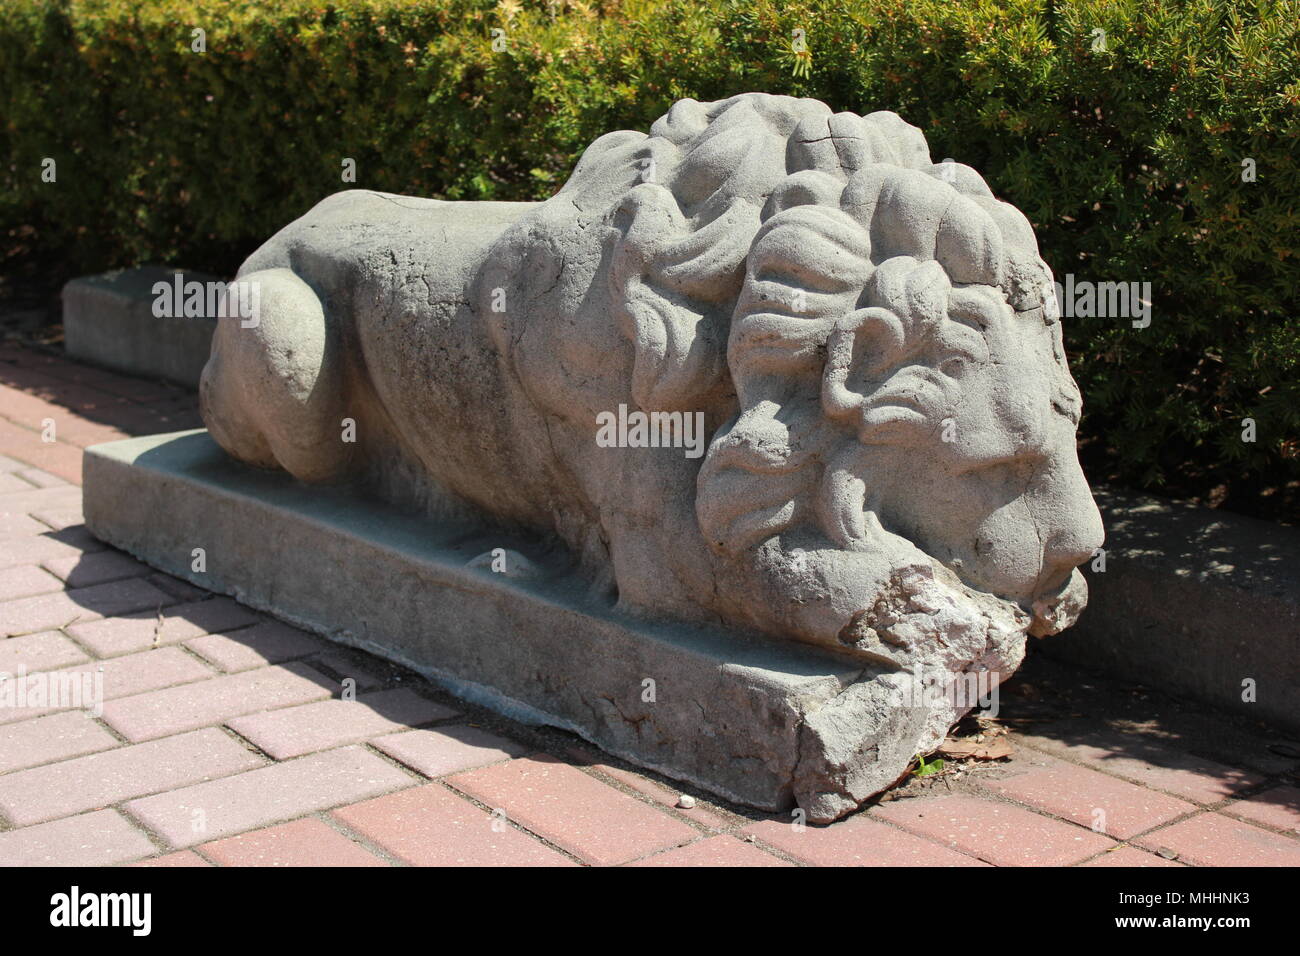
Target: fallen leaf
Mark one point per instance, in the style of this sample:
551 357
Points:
977 750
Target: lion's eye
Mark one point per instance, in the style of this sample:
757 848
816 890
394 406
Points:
955 366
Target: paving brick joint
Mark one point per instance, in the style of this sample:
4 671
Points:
211 735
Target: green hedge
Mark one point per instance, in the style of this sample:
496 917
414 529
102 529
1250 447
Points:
1127 155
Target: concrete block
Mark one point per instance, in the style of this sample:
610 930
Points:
108 320
740 715
1194 602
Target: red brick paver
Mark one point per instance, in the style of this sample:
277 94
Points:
1278 807
1089 798
259 797
858 841
1210 839
1130 856
997 832
714 851
179 858
571 809
445 750
1183 775
430 826
306 842
666 796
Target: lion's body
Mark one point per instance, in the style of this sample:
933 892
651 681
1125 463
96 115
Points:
826 298
391 274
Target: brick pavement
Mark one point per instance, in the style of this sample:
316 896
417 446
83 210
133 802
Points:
225 739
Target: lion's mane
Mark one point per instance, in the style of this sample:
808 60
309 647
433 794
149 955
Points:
854 240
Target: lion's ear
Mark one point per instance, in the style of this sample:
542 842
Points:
672 287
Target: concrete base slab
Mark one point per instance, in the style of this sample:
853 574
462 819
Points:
755 721
108 320
1194 602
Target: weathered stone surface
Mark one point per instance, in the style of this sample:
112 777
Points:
727 711
867 342
109 320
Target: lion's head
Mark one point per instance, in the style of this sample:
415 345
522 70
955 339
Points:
886 325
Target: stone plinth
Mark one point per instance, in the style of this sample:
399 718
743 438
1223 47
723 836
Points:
109 320
747 718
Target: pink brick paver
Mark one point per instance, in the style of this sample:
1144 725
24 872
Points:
574 810
181 590
32 549
306 842
41 499
43 651
52 611
295 731
179 858
271 794
1003 835
1183 775
14 525
125 676
1130 856
26 581
348 669
714 851
39 479
98 568
60 519
10 482
99 780
269 642
17 525
46 739
58 458
666 796
101 838
128 633
1210 839
1278 807
170 711
430 826
857 841
1088 798
444 750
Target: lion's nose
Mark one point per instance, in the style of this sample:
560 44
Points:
1077 530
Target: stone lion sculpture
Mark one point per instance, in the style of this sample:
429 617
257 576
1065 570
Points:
870 338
